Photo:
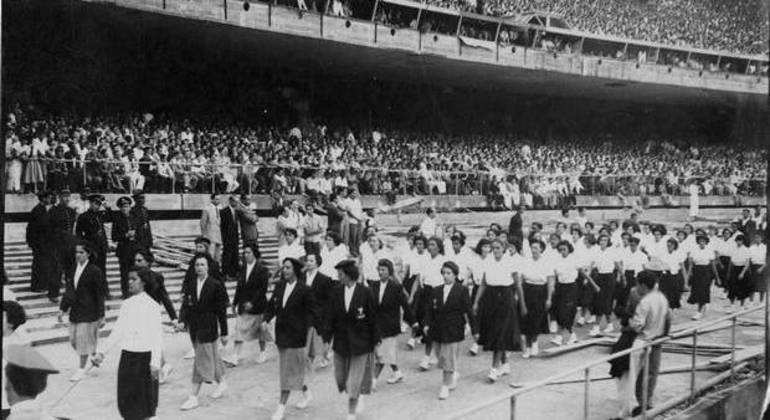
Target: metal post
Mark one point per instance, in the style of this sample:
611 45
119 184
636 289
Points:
645 381
586 393
692 369
83 165
513 407
732 348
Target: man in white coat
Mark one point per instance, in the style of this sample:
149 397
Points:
210 227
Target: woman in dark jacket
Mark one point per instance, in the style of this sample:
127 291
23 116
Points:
390 300
250 303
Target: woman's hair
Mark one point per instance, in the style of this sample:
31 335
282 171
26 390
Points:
452 266
296 266
439 244
384 262
14 313
569 246
672 241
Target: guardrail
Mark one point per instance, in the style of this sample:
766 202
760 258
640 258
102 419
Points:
585 369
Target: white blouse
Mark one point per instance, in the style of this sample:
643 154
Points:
723 248
671 260
417 263
740 256
604 261
332 258
295 250
633 261
567 268
465 259
478 269
138 328
702 256
500 272
432 273
370 259
537 272
758 254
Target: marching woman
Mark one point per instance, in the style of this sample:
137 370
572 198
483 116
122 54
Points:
538 276
417 262
321 287
353 325
567 268
461 255
606 262
139 334
704 270
483 250
758 252
295 312
587 287
84 299
390 300
249 304
430 277
445 319
143 260
724 247
370 253
334 252
204 310
739 281
632 261
497 310
674 274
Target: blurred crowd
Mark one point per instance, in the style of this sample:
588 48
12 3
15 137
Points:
127 153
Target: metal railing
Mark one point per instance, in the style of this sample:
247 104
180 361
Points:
585 369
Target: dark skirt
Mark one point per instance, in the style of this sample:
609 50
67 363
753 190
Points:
739 289
722 271
137 391
603 299
535 322
474 320
757 279
670 286
422 303
620 365
565 302
700 293
622 291
499 320
586 292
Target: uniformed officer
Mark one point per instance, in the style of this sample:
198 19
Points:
141 220
38 233
90 227
26 375
63 224
124 235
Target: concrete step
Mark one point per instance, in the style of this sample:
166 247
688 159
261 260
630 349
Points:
114 272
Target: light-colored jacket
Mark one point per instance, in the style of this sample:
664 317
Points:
211 224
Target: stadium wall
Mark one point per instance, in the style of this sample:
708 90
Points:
172 206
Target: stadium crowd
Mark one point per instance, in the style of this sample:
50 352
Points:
139 152
740 27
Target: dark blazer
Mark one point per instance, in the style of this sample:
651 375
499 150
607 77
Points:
253 289
39 226
140 218
355 330
86 302
247 220
90 227
515 231
446 320
322 294
201 314
389 309
160 294
229 227
292 321
126 247
335 217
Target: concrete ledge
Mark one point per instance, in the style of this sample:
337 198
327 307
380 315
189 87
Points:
742 401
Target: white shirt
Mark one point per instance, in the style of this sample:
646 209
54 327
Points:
432 273
291 251
702 256
19 337
604 261
478 269
447 289
310 277
383 286
465 259
537 271
428 227
671 260
78 272
138 328
287 292
724 248
249 269
200 287
758 254
28 410
740 256
370 258
633 261
500 272
356 209
417 263
566 268
349 295
332 258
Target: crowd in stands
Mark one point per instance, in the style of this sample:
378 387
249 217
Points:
140 152
727 25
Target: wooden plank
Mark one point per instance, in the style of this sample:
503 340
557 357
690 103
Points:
741 355
557 350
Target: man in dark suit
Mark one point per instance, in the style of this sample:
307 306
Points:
141 220
515 232
39 232
247 219
90 228
250 303
63 219
84 299
746 224
204 311
295 313
124 235
334 214
390 300
353 325
321 286
229 224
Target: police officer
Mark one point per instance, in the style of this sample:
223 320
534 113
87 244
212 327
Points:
141 220
90 227
124 235
38 234
63 224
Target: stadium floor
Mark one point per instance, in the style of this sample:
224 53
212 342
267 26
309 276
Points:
253 390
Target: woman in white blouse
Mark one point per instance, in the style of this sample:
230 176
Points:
370 253
567 268
139 335
606 262
429 278
333 253
538 277
496 308
758 252
704 268
674 274
739 282
416 261
724 247
483 250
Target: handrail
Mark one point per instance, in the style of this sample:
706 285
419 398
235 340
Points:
588 365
